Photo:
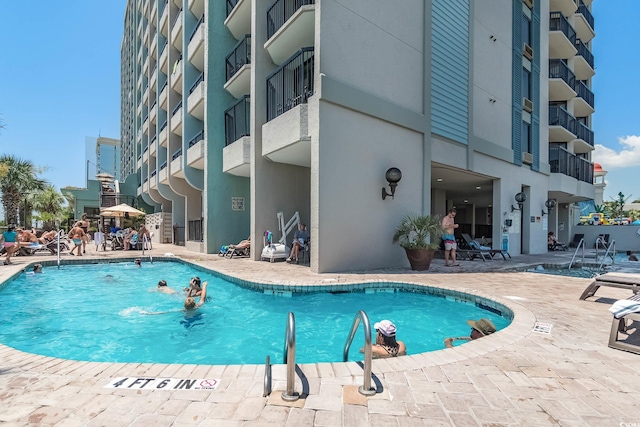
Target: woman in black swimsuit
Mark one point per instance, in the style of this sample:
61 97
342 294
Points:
386 344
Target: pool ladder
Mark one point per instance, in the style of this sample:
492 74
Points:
146 244
611 251
290 394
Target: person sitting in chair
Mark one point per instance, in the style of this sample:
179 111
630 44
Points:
553 244
300 238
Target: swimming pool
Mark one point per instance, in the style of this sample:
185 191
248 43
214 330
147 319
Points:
101 312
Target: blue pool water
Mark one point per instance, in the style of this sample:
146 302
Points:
99 313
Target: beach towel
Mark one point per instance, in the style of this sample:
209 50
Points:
623 307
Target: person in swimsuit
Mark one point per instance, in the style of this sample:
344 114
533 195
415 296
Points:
77 237
450 246
84 224
479 329
162 287
386 344
190 302
194 288
10 245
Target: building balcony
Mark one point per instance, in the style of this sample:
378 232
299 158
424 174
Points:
176 31
583 62
562 81
236 155
153 184
153 147
286 139
196 7
237 119
195 102
139 190
584 103
139 163
164 91
196 44
147 36
583 143
163 63
291 84
584 24
164 20
145 155
153 112
238 64
562 37
145 65
154 44
561 125
153 81
139 28
145 124
154 11
163 176
176 164
145 185
195 151
290 26
164 134
176 119
567 7
176 77
563 162
238 19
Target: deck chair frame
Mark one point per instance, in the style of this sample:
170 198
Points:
613 280
620 325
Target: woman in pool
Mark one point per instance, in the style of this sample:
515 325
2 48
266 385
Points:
386 344
194 288
190 302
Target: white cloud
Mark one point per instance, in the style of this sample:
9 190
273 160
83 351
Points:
629 156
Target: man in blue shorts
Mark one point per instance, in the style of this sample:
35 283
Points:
449 225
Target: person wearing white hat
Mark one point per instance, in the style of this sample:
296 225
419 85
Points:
386 344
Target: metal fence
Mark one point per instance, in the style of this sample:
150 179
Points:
291 84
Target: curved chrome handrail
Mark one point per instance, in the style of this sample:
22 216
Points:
365 389
145 241
267 377
290 359
58 237
581 245
612 254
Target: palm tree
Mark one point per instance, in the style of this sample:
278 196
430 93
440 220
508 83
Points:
17 178
48 204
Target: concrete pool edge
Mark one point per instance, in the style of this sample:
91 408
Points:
520 326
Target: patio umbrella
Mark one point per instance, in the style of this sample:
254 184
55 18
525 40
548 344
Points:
121 210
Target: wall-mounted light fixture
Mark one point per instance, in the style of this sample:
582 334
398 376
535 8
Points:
520 198
393 176
550 204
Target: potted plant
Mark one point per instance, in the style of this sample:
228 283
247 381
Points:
419 235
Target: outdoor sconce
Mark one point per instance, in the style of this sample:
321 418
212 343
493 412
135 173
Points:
393 175
520 198
550 204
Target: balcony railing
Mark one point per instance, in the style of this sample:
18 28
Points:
195 230
176 108
291 84
240 56
584 133
281 11
559 23
587 15
558 69
163 165
195 29
230 5
177 154
236 120
166 82
153 139
112 199
178 15
197 82
558 116
153 174
163 125
566 163
584 51
199 137
584 93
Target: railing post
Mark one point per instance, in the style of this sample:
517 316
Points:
365 389
290 394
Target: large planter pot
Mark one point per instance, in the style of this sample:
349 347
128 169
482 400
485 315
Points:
420 259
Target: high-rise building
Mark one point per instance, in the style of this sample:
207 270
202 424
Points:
234 111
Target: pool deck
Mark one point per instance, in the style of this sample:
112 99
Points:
515 377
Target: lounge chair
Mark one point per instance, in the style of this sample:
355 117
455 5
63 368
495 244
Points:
476 250
614 280
576 240
624 311
241 249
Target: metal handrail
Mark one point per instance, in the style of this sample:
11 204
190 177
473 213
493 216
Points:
612 255
145 241
267 378
581 244
290 394
365 389
60 233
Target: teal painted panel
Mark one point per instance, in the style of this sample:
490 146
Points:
516 71
450 69
535 85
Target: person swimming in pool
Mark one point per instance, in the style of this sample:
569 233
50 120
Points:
194 288
162 287
190 302
386 344
479 329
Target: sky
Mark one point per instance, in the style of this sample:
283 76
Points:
60 82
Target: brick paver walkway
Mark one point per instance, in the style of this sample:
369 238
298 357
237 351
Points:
513 378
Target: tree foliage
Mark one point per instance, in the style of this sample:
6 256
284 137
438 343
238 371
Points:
49 207
18 178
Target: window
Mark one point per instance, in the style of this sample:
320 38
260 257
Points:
526 29
526 83
526 137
